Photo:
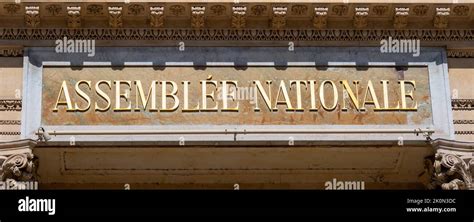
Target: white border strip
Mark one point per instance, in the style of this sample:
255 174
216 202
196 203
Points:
179 63
260 64
97 63
56 63
220 63
138 63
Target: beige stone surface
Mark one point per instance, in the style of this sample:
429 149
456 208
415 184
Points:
253 167
461 80
53 78
11 84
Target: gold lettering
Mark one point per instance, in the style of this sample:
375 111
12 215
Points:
312 89
66 95
354 98
287 102
83 95
172 94
298 83
226 95
266 98
404 94
322 97
140 94
186 99
385 97
375 101
103 95
206 95
119 96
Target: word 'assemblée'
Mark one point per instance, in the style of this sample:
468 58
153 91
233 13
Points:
290 95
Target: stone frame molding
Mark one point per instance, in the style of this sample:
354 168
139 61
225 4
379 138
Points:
432 58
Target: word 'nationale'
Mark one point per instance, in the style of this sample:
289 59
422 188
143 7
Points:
292 95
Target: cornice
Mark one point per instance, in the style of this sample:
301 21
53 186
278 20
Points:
223 14
40 23
235 35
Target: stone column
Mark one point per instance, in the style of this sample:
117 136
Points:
17 162
453 165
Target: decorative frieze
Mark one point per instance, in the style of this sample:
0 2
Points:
218 10
12 8
239 17
420 10
380 10
453 165
10 133
320 17
10 105
157 16
135 9
462 104
95 9
258 10
340 10
11 51
461 10
73 16
115 17
360 17
54 9
177 10
32 17
441 19
279 17
224 34
10 122
464 132
463 121
460 53
356 14
400 18
299 10
197 17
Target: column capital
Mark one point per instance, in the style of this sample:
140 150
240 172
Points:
453 165
17 160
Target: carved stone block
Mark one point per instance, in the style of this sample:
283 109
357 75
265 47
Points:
197 17
279 17
32 17
157 17
320 17
115 17
74 17
239 17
